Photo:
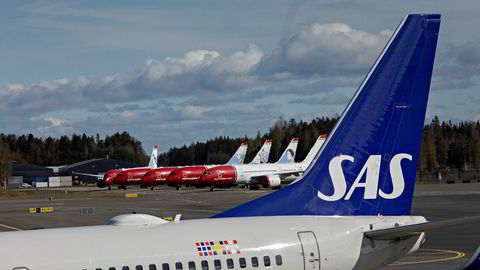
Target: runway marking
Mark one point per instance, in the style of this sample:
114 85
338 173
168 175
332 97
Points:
10 227
190 201
457 255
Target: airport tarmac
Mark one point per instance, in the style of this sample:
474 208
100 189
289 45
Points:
445 249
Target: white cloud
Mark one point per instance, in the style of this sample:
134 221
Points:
205 92
459 67
320 49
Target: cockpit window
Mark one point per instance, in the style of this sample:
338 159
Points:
208 173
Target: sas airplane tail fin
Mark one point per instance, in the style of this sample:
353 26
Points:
153 158
263 154
239 156
367 165
288 155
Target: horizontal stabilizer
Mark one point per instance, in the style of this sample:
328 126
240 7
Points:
415 229
473 263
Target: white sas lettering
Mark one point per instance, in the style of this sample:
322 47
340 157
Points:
338 178
398 181
372 167
372 170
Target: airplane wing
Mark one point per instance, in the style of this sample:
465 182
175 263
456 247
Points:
98 176
473 263
415 229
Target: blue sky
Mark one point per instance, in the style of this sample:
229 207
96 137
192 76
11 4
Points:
174 72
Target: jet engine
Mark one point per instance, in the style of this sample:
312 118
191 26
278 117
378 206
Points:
270 181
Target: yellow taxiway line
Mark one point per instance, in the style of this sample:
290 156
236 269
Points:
455 255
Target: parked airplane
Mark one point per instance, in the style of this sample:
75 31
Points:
159 176
256 175
106 179
351 209
151 178
191 175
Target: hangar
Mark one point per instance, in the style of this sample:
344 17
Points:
33 174
96 166
28 173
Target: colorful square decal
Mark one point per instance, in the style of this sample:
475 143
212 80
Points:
214 248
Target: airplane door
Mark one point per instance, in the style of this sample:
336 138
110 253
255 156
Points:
310 251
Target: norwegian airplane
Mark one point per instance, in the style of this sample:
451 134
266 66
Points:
155 177
106 179
159 176
191 175
351 209
256 175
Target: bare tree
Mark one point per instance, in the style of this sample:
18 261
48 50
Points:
5 164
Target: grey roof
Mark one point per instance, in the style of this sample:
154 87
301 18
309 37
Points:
66 167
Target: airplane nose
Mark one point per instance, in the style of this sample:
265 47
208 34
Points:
108 180
119 179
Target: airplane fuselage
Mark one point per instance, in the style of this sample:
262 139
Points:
247 174
303 242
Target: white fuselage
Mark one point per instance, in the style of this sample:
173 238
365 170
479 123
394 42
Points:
245 173
302 242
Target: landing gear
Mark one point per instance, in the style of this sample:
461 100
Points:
151 188
109 188
211 189
178 188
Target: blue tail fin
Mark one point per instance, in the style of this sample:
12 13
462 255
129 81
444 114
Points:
367 165
288 155
239 156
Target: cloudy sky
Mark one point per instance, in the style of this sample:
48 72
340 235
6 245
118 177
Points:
174 72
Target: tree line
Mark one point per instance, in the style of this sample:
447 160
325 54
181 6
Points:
445 146
71 149
220 149
448 145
